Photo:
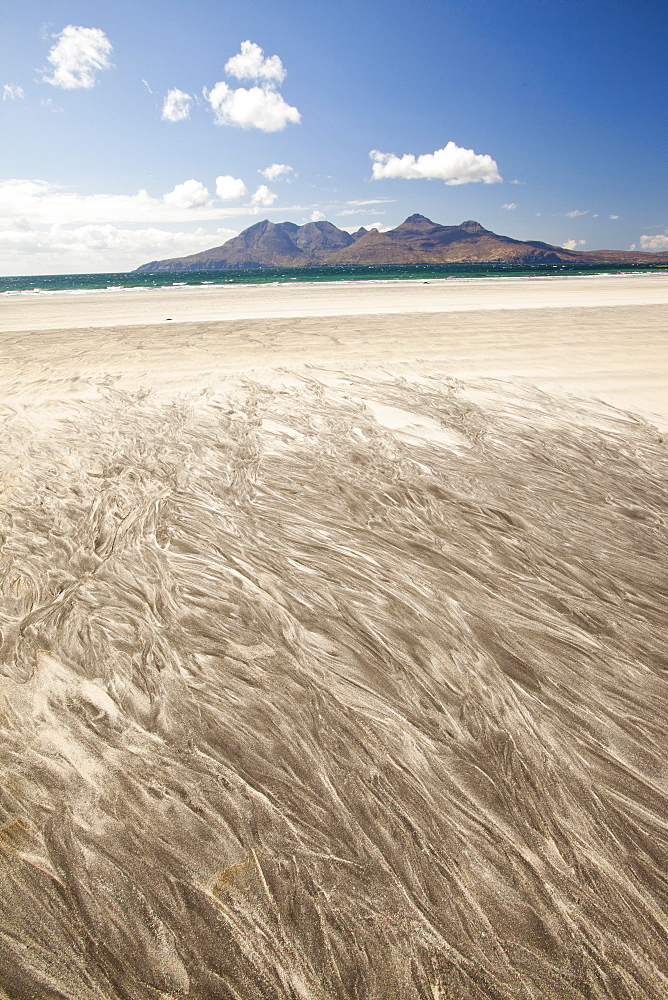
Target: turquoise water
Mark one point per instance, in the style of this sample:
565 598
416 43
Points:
45 283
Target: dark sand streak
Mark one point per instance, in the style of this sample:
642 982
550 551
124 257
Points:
327 684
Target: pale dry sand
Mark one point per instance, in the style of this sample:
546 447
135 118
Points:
334 661
601 336
194 304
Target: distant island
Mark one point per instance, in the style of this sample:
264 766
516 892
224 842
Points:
418 240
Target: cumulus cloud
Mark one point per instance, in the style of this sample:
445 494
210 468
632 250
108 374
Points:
190 194
613 216
250 64
276 171
573 244
654 243
79 53
261 106
263 197
576 213
318 216
230 188
176 106
257 107
510 206
12 92
61 250
452 164
517 182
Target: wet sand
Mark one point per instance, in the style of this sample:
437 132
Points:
334 651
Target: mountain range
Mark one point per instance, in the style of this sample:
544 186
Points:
418 240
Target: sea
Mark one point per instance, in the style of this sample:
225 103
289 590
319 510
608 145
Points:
48 284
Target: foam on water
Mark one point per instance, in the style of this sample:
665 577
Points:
85 283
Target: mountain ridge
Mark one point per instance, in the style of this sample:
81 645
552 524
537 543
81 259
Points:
417 240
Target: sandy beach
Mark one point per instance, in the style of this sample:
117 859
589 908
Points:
207 303
333 641
602 336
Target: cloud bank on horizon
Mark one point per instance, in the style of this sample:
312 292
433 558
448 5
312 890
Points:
38 203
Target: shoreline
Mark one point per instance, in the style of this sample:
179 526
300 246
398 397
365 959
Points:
603 337
426 279
207 303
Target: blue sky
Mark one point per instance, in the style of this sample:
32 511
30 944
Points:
134 131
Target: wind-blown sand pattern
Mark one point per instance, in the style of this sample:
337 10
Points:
331 680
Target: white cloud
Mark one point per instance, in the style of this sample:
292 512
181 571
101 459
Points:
48 103
39 205
250 64
176 106
452 164
576 213
147 85
230 188
353 227
258 107
60 250
77 56
276 171
510 206
613 216
42 203
12 92
263 197
518 182
654 243
373 201
354 211
573 244
190 194
318 216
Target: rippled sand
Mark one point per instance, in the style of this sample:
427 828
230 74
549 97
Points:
334 656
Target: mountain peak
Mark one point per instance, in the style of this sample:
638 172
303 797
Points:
417 240
417 220
471 226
